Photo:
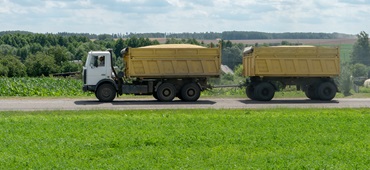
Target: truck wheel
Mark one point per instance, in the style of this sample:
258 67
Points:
250 92
155 95
166 92
326 91
264 91
311 92
106 93
190 92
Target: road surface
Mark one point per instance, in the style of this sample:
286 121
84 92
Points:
29 104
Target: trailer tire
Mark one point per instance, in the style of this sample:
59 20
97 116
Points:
190 92
106 92
326 91
166 92
264 91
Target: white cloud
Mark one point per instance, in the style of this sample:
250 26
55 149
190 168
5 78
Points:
113 16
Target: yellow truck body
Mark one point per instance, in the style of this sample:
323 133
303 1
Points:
172 61
292 61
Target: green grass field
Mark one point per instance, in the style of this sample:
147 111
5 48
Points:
41 86
186 139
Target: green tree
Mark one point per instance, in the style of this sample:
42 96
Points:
105 37
23 52
80 53
60 54
70 67
118 47
13 67
345 80
40 64
7 49
36 47
359 70
361 49
3 70
133 42
231 56
359 73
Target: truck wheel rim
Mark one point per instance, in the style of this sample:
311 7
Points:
106 93
191 92
166 92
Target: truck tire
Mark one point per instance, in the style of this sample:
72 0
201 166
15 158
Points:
311 92
166 92
190 92
106 93
155 95
264 91
326 91
249 91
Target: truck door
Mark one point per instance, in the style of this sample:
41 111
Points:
97 69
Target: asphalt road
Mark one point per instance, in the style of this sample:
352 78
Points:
26 104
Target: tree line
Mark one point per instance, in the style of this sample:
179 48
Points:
28 54
242 35
225 35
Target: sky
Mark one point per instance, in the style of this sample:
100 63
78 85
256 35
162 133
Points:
178 16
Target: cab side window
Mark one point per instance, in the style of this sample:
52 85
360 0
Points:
101 61
94 61
97 61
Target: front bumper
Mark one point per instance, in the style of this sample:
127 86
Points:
86 88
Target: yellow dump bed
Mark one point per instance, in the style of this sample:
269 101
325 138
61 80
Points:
172 61
291 61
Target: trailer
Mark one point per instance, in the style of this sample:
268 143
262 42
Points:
164 71
310 68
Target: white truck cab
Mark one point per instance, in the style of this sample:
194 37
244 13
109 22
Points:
97 69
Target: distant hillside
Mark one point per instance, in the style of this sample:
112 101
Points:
244 35
226 35
14 32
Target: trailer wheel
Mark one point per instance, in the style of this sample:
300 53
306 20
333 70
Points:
264 91
166 92
326 91
106 93
190 92
250 92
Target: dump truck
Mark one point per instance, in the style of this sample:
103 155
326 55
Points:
309 68
165 71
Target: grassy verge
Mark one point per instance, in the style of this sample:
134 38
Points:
186 139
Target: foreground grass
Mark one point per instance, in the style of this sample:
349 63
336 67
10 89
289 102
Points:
186 139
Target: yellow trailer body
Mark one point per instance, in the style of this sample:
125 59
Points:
291 61
172 61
